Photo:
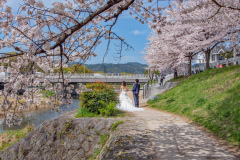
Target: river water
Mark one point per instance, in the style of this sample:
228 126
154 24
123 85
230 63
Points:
39 116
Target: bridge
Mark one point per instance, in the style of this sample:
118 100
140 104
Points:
107 78
93 77
90 78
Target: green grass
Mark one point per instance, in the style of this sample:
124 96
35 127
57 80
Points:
46 93
104 138
114 126
210 98
96 153
83 112
12 136
178 79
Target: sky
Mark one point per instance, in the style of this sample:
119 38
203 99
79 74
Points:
134 33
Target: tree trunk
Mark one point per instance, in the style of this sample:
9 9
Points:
175 74
150 74
207 55
190 64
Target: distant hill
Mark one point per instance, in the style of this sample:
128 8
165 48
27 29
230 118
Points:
131 67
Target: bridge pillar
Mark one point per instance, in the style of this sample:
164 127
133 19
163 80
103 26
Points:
76 86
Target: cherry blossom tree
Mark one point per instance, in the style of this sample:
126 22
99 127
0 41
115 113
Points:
52 36
198 26
163 53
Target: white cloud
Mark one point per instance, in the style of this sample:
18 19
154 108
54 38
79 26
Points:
137 32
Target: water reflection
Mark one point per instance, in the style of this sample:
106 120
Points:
38 117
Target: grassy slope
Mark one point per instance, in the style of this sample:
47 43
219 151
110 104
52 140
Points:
211 99
9 137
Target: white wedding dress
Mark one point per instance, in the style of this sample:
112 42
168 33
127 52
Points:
125 103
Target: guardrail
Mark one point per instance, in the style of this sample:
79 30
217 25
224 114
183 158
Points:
146 90
233 61
92 75
227 62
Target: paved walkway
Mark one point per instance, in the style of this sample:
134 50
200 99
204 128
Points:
157 89
176 139
173 138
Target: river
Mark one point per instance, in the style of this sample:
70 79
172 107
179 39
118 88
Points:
39 116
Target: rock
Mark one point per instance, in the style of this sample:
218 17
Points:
28 136
109 125
47 156
42 129
39 142
76 145
15 148
80 138
55 124
85 146
100 126
82 125
61 139
71 153
67 145
91 139
80 153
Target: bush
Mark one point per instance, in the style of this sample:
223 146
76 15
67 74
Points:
102 98
109 110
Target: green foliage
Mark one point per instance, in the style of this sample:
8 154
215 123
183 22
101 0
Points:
84 112
76 68
104 138
227 54
210 98
96 153
109 110
156 72
114 126
46 93
170 100
178 79
99 99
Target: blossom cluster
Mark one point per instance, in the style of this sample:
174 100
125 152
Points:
189 28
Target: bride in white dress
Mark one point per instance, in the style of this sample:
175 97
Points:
126 103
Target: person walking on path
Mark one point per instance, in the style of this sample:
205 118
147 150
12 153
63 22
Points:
157 78
135 91
161 81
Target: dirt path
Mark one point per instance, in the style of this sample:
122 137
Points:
175 138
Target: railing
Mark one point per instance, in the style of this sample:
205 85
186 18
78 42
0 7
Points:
109 75
146 90
234 60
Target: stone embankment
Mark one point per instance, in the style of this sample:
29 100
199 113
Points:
61 138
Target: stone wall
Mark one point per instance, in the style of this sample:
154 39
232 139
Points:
130 141
62 138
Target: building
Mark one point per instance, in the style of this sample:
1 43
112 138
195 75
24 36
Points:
217 54
201 58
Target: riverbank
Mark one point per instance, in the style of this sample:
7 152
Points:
31 108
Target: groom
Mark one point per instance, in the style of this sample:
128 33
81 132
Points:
135 90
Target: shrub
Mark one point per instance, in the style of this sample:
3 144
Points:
109 110
101 99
